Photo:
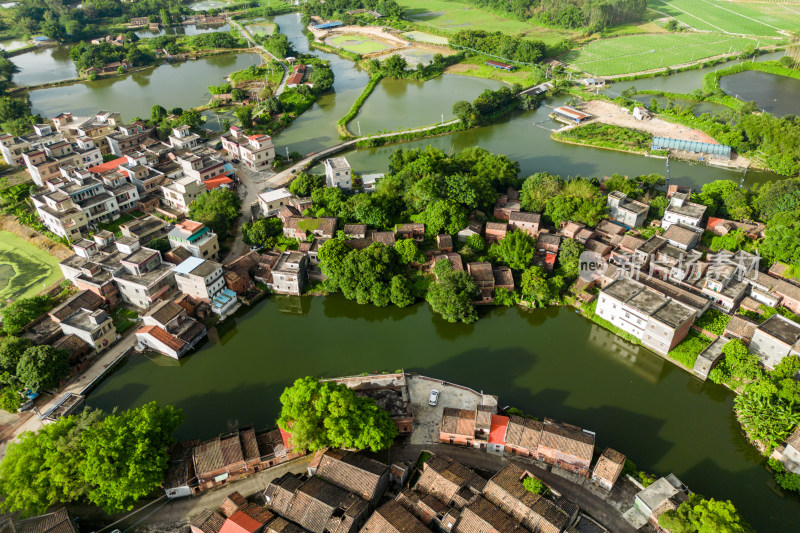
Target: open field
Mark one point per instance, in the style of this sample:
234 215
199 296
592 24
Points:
637 53
452 17
474 66
766 20
422 37
24 269
359 44
260 28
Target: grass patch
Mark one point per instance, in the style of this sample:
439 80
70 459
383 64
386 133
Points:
687 351
25 270
637 53
713 321
359 44
424 37
273 73
113 227
123 319
476 67
451 17
607 136
424 457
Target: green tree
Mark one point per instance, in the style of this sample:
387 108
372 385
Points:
127 454
568 256
538 189
515 250
11 350
704 516
157 114
10 399
535 486
725 198
162 245
733 241
534 286
408 251
394 66
401 294
44 468
217 209
305 184
20 313
503 296
443 216
322 413
465 112
41 367
452 296
262 232
245 116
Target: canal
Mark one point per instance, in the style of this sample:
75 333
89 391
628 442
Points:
548 362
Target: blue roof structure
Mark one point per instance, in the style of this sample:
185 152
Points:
329 25
664 143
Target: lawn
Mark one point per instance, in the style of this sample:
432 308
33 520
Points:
25 270
476 67
359 44
262 28
713 15
452 17
636 53
423 37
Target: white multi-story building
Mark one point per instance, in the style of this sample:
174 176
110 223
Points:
625 211
681 210
196 238
338 173
272 200
144 277
658 321
182 137
256 152
179 193
199 278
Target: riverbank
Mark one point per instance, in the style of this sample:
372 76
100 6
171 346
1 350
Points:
341 124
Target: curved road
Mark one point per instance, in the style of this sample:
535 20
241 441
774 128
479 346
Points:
285 176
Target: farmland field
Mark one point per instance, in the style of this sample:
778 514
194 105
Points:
452 17
636 53
24 269
765 20
359 44
260 28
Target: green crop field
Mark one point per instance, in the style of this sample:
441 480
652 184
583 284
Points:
260 28
24 269
766 20
452 17
359 44
636 53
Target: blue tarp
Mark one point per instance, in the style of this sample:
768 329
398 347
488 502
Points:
328 25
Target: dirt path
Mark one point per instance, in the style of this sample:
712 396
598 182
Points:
609 113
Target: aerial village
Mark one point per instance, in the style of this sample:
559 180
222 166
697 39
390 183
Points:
653 289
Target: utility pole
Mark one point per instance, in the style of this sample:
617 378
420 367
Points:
287 153
442 118
359 127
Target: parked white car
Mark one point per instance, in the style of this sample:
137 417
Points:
433 399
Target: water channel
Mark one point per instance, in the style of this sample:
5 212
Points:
548 362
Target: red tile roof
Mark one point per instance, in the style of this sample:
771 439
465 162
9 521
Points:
108 165
286 436
158 333
213 183
190 225
712 222
550 258
497 433
239 522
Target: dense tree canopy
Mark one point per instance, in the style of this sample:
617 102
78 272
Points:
217 209
322 413
452 295
41 367
515 250
698 515
499 44
560 200
21 312
110 461
304 184
263 232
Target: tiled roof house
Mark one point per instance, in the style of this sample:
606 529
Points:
354 472
393 518
566 446
608 468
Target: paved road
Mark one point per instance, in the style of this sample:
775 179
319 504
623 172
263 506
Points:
285 176
173 515
76 386
250 185
264 51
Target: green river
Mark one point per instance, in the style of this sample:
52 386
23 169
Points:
548 362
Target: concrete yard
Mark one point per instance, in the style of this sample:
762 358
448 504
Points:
427 418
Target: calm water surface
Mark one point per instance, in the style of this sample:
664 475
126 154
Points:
43 65
548 362
183 84
778 95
